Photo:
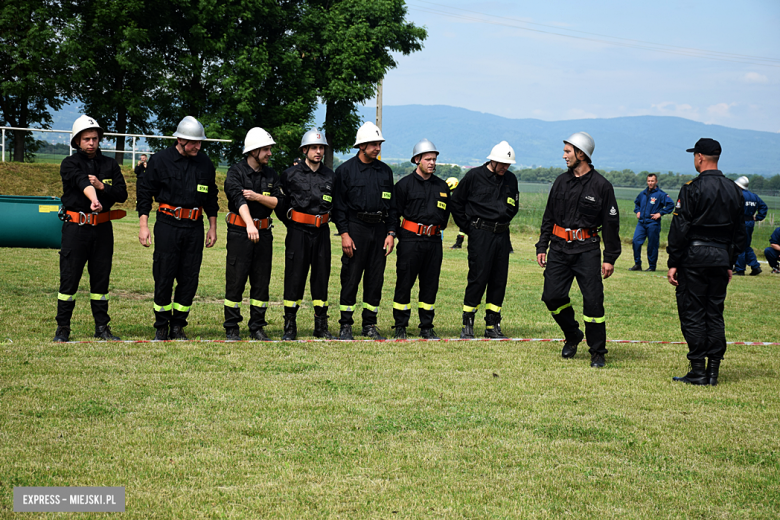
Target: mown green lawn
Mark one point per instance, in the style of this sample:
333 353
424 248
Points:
503 429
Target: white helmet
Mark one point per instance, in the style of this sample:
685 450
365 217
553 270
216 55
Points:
83 123
743 182
502 153
314 136
368 133
257 138
424 146
582 141
190 128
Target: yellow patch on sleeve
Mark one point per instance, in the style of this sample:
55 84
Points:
385 194
203 188
327 198
267 193
110 182
442 194
510 201
441 205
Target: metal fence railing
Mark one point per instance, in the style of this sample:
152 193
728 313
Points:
134 150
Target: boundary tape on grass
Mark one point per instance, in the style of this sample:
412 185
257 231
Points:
411 340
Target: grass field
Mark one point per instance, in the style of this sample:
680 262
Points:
502 429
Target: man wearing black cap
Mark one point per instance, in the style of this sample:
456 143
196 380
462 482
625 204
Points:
706 235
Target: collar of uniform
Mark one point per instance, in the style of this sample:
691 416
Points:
649 191
419 178
84 155
715 173
177 155
251 171
363 166
582 178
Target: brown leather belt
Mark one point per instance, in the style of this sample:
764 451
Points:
93 219
236 220
180 213
570 235
420 229
306 218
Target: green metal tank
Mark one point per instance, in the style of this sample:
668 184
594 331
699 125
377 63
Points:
30 222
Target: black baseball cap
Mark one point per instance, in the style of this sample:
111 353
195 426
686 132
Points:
706 146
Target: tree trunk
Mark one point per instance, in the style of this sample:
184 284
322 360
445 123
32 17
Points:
328 127
19 135
121 128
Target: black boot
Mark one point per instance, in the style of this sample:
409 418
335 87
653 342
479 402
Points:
493 326
637 267
428 334
161 334
468 326
713 367
259 335
104 332
177 332
697 375
400 333
232 334
372 332
570 347
62 335
321 327
345 334
458 243
290 328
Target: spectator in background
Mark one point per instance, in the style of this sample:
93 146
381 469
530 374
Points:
140 168
650 205
772 253
755 211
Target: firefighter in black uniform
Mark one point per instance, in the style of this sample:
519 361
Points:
706 236
252 190
422 200
91 184
308 187
482 206
365 217
182 180
581 202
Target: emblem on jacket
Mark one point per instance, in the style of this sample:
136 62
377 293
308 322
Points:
652 200
613 211
592 199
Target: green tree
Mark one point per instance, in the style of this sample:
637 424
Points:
32 70
110 40
347 45
233 65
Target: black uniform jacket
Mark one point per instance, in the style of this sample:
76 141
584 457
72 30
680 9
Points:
586 202
423 202
242 177
709 209
187 182
306 191
75 171
483 194
364 187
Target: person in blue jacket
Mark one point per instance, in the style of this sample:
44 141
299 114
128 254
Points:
755 211
650 205
772 253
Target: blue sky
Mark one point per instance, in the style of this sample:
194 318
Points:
512 59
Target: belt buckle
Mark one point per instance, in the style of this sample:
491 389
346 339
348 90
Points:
317 220
177 213
569 240
577 234
429 230
83 219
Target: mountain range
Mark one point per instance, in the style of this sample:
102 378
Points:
651 143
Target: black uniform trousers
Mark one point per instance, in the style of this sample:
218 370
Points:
367 262
306 248
246 259
178 252
561 270
417 258
488 270
700 296
92 246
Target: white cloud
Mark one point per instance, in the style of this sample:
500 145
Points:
755 77
578 113
720 110
669 108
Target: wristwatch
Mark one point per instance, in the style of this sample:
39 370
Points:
391 234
